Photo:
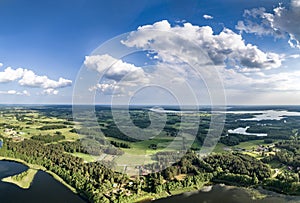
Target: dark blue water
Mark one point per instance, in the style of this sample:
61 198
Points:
44 188
223 194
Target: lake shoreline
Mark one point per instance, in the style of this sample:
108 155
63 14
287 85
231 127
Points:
22 180
38 167
255 194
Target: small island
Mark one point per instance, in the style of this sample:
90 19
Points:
23 180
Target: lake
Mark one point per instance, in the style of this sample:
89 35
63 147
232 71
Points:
243 131
266 114
44 187
227 194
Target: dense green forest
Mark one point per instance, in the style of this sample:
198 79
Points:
100 184
288 157
276 166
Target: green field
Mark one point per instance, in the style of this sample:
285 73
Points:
25 124
85 157
250 144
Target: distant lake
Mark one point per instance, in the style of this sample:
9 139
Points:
161 110
225 194
44 187
258 115
265 115
242 131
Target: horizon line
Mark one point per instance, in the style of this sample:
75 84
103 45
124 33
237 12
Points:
70 104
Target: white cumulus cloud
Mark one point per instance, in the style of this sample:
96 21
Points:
283 21
208 17
9 74
225 47
114 69
30 79
50 91
107 88
294 56
14 92
244 67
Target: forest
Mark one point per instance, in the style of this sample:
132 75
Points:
49 140
96 182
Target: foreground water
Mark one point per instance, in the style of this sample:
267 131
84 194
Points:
44 187
225 194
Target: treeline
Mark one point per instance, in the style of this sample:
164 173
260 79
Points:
236 179
57 111
73 147
289 158
156 182
120 144
93 147
140 118
91 131
52 127
286 182
57 122
239 164
235 139
113 131
92 180
49 138
234 169
288 155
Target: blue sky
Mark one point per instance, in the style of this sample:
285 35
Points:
50 40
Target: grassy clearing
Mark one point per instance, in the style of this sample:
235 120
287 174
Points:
250 144
133 159
254 154
69 136
23 180
150 196
220 148
142 147
85 157
161 143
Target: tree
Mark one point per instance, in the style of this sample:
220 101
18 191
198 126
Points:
255 179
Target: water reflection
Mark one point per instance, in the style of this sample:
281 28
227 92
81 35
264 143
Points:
225 194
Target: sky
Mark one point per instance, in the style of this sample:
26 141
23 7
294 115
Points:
174 52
